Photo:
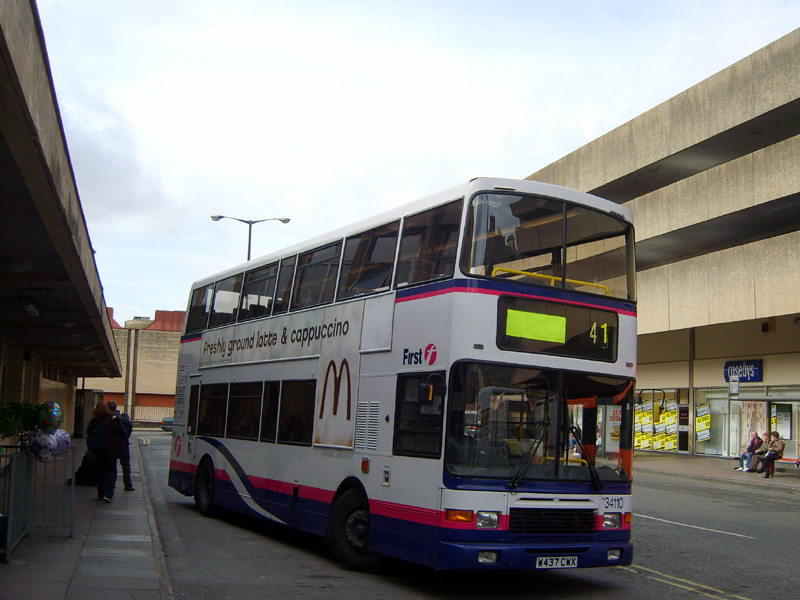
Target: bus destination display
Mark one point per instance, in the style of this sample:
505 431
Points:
527 325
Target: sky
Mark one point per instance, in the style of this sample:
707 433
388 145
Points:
327 112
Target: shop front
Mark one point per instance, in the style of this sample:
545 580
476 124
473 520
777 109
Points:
661 420
718 420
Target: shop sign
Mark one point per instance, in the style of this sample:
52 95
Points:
748 371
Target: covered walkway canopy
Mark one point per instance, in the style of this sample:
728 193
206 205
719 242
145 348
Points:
53 319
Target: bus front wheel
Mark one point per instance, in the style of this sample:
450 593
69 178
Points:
204 489
348 532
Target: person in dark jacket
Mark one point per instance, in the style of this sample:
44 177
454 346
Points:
747 455
125 459
106 438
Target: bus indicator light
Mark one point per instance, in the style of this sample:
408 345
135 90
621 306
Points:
459 516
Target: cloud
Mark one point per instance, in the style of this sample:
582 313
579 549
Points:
327 112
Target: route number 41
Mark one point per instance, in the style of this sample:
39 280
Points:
599 334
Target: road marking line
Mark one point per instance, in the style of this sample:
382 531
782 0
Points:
695 527
689 581
694 585
684 587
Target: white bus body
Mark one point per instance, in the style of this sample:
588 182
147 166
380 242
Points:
422 406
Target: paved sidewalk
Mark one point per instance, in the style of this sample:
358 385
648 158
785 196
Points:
115 551
786 479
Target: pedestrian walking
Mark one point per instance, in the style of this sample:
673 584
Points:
105 437
125 459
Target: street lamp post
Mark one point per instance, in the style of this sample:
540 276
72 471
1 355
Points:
249 224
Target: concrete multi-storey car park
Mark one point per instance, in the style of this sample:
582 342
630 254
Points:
712 176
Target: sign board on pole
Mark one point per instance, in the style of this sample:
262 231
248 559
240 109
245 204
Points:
733 385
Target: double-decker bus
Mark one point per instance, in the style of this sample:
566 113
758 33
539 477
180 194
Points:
449 383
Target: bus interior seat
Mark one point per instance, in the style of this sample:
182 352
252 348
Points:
256 310
518 448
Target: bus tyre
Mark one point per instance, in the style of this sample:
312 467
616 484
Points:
204 489
348 532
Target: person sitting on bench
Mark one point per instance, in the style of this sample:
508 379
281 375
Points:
774 452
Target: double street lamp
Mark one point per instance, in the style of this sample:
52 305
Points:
249 226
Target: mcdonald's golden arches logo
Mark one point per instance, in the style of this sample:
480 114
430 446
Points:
338 374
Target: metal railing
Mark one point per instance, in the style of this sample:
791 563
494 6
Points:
34 494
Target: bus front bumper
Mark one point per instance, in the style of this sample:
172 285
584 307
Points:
460 555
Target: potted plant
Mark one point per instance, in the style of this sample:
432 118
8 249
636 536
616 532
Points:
17 419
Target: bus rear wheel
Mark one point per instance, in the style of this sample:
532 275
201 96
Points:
348 532
204 488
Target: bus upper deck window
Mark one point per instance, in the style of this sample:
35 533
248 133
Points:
428 244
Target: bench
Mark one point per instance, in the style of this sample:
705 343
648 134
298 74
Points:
789 463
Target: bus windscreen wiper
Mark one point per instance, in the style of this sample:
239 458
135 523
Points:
540 429
592 469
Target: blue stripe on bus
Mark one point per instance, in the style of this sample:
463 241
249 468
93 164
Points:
493 287
487 286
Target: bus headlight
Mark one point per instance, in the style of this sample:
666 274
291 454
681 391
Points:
487 519
612 521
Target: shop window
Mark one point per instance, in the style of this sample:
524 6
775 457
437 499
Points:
711 430
656 419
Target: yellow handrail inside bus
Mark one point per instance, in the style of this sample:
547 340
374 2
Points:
552 279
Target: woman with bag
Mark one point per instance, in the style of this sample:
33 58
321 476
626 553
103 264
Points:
776 448
105 438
